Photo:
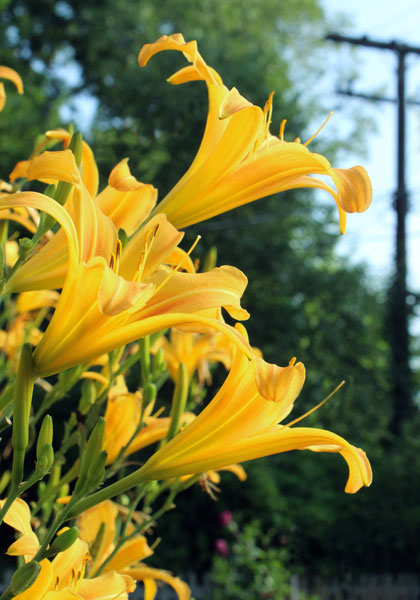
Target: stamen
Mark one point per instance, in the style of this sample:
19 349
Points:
282 126
268 111
316 132
179 265
150 237
335 390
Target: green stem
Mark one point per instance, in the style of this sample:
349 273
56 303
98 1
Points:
119 487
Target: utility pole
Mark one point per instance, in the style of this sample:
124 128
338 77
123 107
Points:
397 324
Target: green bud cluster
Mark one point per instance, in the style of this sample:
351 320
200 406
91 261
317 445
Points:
92 466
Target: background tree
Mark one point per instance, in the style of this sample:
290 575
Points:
304 300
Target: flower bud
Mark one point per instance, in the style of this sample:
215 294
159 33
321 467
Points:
96 471
45 435
90 454
88 396
149 393
25 247
159 362
24 577
21 411
45 460
65 539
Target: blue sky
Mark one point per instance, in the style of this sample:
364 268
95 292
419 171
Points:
370 236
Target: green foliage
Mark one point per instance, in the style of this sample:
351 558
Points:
254 565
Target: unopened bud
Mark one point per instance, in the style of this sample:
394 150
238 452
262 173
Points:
159 362
45 436
91 452
24 577
45 460
25 247
65 539
149 393
96 471
88 396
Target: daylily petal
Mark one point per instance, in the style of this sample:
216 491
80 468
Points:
27 545
41 202
109 586
142 572
122 416
121 178
149 248
90 175
127 209
11 75
222 286
130 552
19 516
240 424
239 161
34 300
90 521
150 589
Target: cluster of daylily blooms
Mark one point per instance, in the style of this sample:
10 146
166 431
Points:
87 299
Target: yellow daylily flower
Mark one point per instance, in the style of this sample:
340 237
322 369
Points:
104 303
242 423
97 234
122 417
239 160
196 351
125 202
11 75
63 578
126 560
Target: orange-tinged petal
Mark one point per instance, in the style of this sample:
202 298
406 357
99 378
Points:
116 294
186 292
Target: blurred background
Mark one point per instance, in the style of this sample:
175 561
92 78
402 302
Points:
344 305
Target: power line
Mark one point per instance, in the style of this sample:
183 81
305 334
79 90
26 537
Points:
398 309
